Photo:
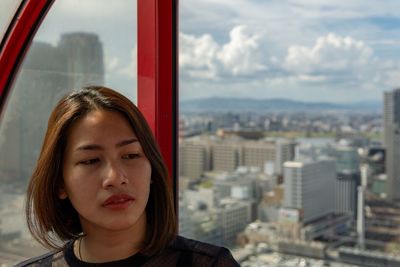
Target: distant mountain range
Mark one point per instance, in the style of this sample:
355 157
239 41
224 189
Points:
218 104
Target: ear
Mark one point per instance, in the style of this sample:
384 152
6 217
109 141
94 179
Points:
62 194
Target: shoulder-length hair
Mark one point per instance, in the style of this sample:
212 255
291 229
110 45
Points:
51 219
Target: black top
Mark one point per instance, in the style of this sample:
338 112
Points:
180 252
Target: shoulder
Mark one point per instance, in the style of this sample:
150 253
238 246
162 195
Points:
186 244
203 252
42 260
37 261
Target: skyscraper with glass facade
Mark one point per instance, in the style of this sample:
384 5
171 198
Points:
391 120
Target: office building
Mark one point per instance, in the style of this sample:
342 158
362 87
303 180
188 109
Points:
199 221
308 187
258 153
226 155
233 217
347 179
83 55
194 158
285 151
391 124
48 72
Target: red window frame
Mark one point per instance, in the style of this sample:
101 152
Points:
158 74
157 64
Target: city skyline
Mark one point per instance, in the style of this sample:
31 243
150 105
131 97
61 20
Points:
310 210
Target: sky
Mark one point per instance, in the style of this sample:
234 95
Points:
116 26
8 8
308 50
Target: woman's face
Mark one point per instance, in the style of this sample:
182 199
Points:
106 174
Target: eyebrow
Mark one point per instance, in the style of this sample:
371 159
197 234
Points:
99 147
127 142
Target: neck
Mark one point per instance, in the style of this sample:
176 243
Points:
105 246
105 250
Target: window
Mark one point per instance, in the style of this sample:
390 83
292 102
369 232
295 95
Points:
8 9
308 77
79 43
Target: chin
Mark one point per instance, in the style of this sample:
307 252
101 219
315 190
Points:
124 223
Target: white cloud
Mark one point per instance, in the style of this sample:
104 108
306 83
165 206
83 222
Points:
130 70
116 66
241 55
203 57
312 78
111 63
197 55
301 59
331 53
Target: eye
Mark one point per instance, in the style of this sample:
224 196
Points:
131 156
89 161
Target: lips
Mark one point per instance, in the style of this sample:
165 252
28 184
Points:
119 201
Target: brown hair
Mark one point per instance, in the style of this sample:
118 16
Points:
50 218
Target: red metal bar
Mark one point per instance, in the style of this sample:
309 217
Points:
24 27
157 72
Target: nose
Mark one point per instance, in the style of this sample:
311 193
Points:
114 176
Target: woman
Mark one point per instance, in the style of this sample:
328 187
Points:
98 194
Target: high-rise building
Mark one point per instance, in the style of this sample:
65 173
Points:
376 160
83 54
226 155
233 216
258 153
48 72
347 179
285 151
391 124
22 132
200 154
198 220
194 158
308 187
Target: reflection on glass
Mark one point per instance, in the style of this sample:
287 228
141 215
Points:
285 154
7 12
72 56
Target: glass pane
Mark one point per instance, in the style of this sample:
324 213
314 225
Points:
79 43
7 12
281 122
